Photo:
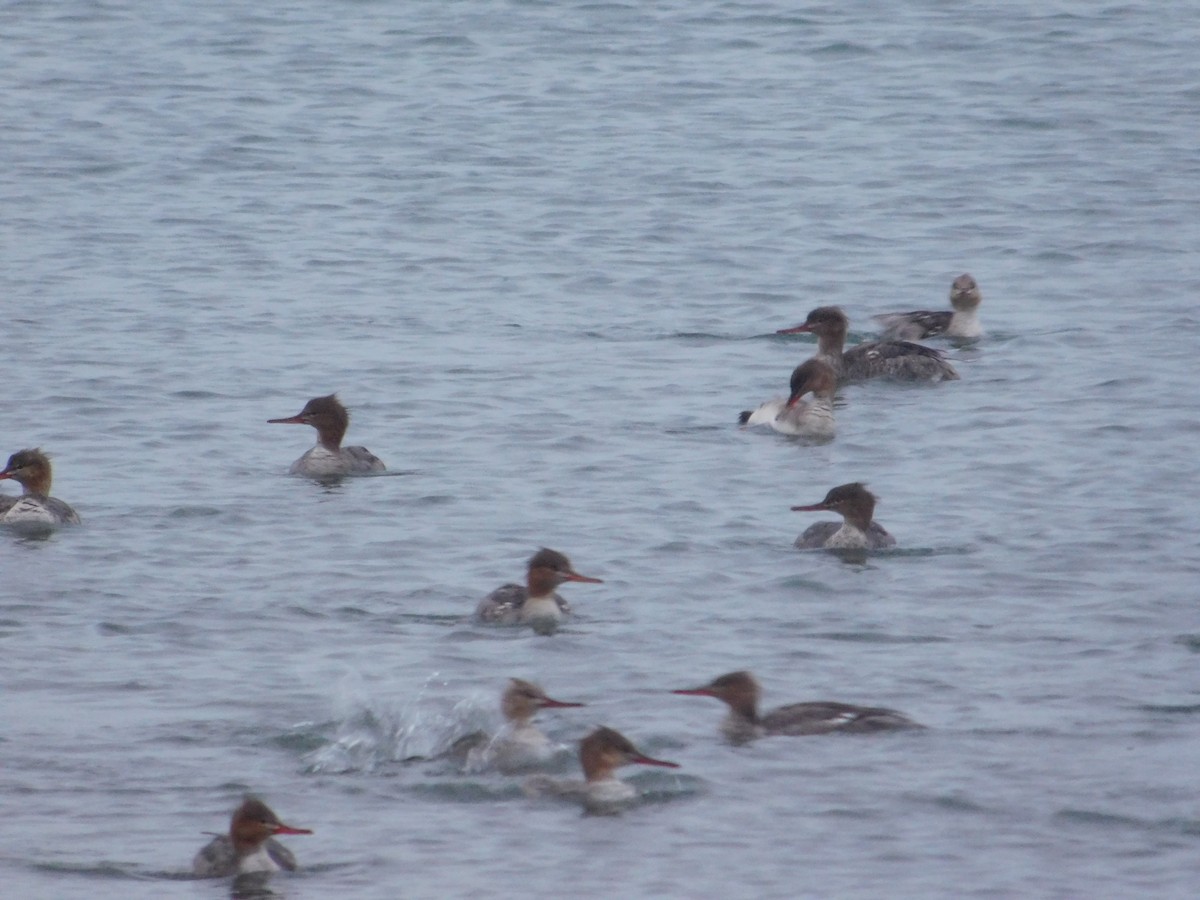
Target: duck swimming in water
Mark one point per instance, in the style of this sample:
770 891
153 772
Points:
519 744
601 753
535 603
329 459
250 845
740 692
31 469
960 321
857 530
897 360
794 416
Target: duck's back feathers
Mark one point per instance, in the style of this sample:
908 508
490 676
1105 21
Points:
36 510
899 360
217 858
811 419
822 717
816 536
362 461
321 462
504 604
914 326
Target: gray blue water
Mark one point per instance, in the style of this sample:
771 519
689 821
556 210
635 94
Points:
541 250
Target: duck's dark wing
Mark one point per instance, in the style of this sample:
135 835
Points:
216 859
915 325
878 537
900 360
823 717
284 858
360 461
62 511
503 604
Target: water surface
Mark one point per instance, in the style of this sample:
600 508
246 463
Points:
541 251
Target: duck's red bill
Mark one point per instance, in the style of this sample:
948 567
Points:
575 576
288 829
651 761
549 703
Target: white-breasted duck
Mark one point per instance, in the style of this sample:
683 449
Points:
535 603
601 753
31 469
329 459
520 744
250 845
960 321
795 416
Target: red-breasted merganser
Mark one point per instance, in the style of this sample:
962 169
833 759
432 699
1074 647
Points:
31 470
601 753
740 692
962 321
329 458
519 744
535 603
249 846
813 419
898 360
857 531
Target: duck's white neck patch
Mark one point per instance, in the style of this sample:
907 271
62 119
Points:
848 538
258 861
964 323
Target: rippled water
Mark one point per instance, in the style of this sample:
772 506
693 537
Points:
541 251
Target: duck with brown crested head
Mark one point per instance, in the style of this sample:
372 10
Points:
897 360
960 321
857 530
520 744
740 691
794 416
31 469
329 459
250 846
535 603
601 753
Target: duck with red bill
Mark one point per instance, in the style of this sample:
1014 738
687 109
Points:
329 459
857 530
601 753
740 692
249 847
897 360
795 416
520 744
535 603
